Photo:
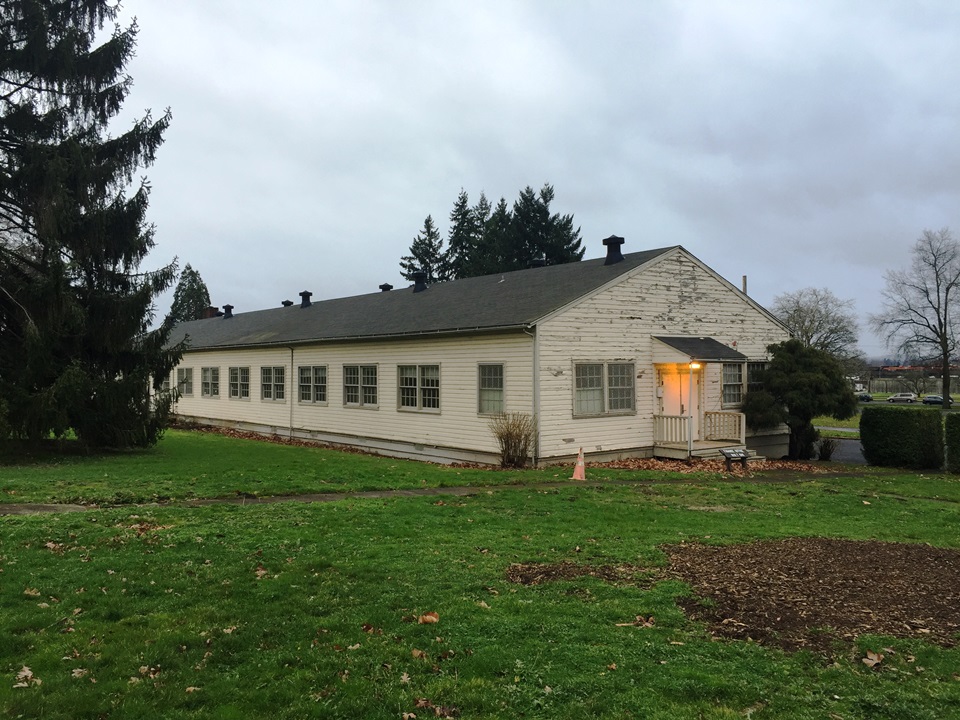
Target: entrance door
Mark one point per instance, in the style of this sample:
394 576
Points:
674 391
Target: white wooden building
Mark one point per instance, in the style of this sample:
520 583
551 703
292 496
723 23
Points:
605 354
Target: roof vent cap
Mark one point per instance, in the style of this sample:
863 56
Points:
227 311
419 281
614 255
386 287
305 298
287 303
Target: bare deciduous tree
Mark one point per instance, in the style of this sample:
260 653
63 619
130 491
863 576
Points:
819 319
920 306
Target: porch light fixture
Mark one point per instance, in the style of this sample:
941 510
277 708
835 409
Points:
694 365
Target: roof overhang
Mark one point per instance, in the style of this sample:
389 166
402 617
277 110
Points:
689 348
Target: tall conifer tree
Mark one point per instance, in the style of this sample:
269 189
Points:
426 255
190 298
75 309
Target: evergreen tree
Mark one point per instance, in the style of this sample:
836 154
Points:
190 298
539 235
75 350
463 238
493 254
426 254
799 384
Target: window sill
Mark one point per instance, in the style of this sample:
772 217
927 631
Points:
612 413
419 411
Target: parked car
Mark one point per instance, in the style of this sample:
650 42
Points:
902 397
865 397
936 400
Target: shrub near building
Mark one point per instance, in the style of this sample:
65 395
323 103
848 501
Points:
902 437
952 434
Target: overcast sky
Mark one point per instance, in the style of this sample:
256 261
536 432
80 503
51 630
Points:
803 144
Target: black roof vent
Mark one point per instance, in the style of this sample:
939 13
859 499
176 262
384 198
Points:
538 262
419 281
305 298
227 311
287 303
614 255
386 287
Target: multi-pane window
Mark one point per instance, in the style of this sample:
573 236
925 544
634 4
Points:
313 383
185 381
754 369
360 385
601 388
418 387
732 383
210 382
272 383
240 382
490 389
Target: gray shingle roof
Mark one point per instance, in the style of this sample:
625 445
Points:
509 300
702 348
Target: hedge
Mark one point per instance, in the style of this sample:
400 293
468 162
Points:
905 437
953 442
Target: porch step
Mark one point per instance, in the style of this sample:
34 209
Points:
715 454
679 452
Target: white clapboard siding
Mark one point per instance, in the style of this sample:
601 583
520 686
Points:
458 425
675 295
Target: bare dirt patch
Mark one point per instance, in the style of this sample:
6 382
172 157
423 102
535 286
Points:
812 592
801 593
537 573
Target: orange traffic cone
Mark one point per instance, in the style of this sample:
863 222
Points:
580 471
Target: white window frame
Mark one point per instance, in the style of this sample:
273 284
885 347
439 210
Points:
367 392
754 366
273 383
494 395
424 392
312 386
210 382
604 391
731 385
185 381
239 388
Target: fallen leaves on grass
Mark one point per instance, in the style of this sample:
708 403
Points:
428 618
872 659
641 621
26 678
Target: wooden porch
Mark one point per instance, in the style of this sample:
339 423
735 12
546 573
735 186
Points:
720 430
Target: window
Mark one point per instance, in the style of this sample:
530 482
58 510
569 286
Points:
601 388
240 382
753 375
360 385
732 383
313 384
418 387
490 399
185 381
210 382
272 383
165 386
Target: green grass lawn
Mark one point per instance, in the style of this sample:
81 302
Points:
186 465
293 610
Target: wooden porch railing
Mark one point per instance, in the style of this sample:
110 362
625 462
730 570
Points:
725 426
670 428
